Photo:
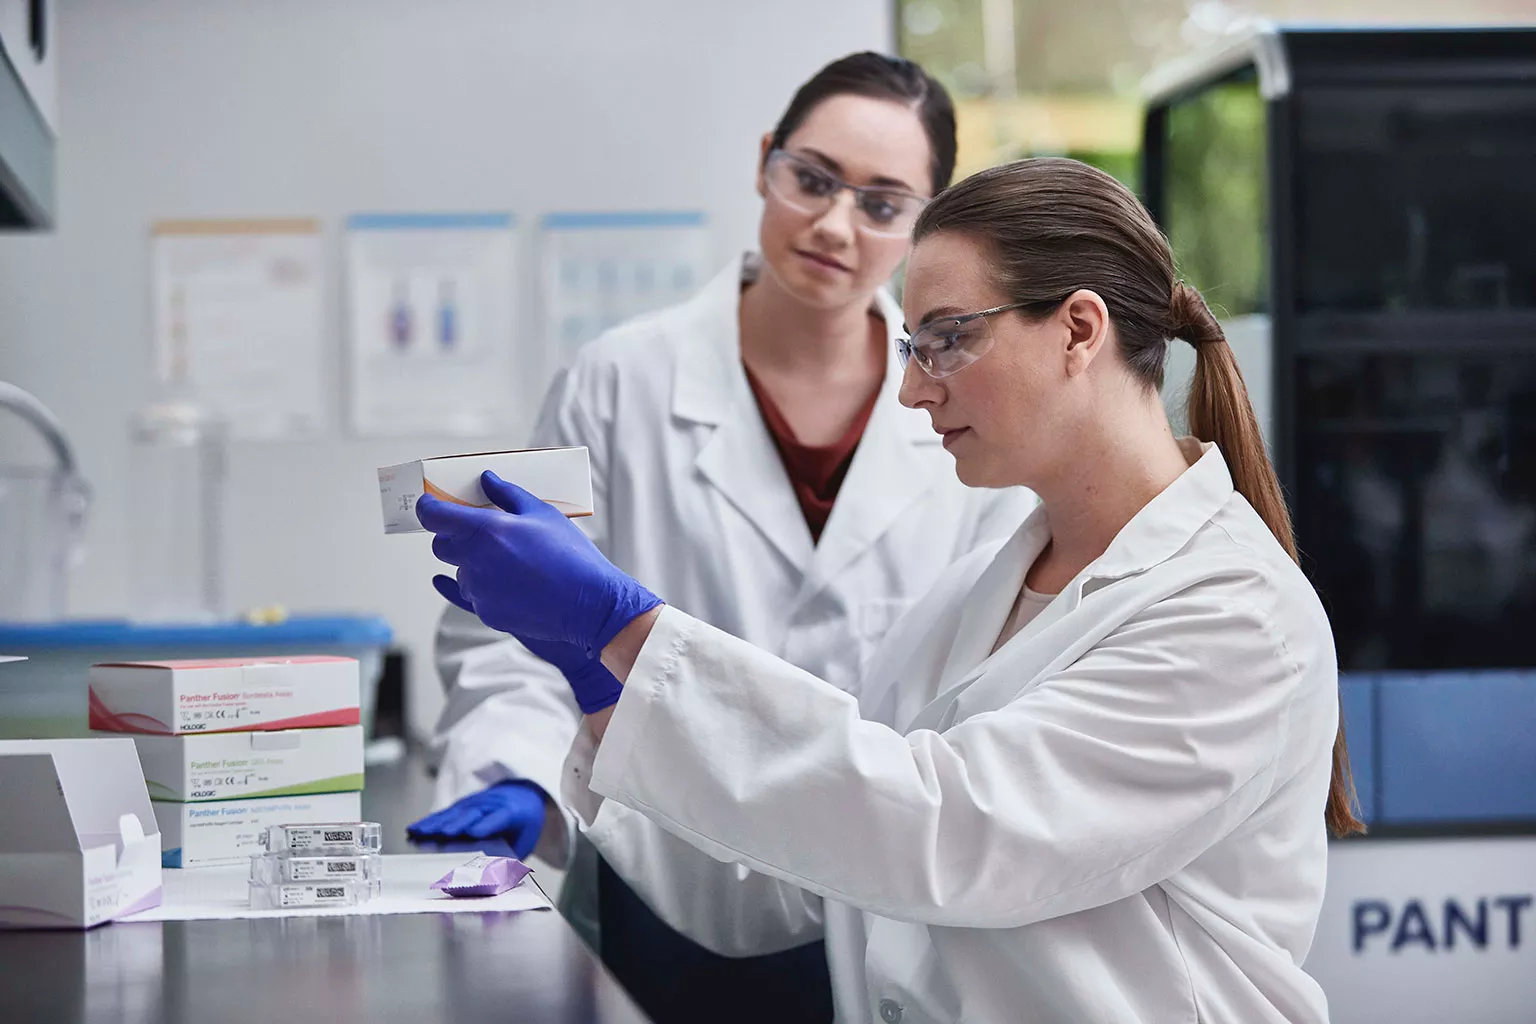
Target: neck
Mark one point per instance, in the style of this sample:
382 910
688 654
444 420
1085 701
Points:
780 333
1112 473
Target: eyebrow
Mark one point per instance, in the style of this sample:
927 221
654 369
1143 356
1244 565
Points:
879 181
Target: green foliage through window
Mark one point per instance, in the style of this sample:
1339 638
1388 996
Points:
1216 207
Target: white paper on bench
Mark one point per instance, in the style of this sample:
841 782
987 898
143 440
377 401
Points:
221 894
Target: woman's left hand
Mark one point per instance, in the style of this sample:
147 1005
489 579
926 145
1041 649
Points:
526 569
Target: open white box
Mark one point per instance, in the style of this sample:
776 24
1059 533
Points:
78 840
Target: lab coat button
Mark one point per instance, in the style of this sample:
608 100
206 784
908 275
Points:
890 1011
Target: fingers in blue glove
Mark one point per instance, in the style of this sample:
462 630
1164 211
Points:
427 826
448 517
449 588
449 548
508 496
527 570
516 829
520 826
450 822
497 822
434 823
513 809
463 821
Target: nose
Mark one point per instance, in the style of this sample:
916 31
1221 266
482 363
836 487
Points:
918 390
835 226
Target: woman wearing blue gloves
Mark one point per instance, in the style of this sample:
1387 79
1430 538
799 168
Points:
750 461
1089 777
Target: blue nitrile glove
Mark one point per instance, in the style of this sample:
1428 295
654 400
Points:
513 810
594 686
527 570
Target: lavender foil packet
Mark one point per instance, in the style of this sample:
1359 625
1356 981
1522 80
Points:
483 876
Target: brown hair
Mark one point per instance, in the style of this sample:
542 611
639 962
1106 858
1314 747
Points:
1055 226
883 78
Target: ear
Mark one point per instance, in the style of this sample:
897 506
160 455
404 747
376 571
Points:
1085 318
764 149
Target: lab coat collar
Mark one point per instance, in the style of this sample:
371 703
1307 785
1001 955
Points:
705 379
1154 534
1159 531
886 476
1167 522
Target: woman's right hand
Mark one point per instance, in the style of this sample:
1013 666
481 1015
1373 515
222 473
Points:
527 570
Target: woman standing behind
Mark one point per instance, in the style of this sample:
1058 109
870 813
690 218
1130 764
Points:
751 461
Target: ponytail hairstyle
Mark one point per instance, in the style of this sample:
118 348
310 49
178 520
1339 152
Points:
1054 226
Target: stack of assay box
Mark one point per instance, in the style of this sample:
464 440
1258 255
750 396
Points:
231 746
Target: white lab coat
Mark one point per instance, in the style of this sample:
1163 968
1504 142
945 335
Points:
692 498
1116 817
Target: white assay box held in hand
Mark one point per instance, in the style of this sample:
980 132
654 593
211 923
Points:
239 765
560 476
224 694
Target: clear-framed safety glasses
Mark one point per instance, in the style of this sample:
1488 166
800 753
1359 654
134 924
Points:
948 344
805 185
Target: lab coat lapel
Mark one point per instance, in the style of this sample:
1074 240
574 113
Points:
742 463
889 474
986 610
739 458
1152 536
893 466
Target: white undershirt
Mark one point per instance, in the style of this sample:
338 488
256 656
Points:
1026 606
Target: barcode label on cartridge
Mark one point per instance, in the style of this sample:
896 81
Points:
302 869
311 895
309 838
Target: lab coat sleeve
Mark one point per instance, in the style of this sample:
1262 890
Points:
507 713
723 906
1093 785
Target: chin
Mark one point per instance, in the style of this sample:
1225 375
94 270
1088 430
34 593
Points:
813 291
968 473
974 472
818 294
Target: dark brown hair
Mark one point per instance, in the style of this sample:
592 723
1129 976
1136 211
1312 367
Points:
883 78
1054 226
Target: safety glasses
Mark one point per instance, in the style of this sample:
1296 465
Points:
806 186
949 344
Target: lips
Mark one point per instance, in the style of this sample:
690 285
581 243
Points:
822 260
952 434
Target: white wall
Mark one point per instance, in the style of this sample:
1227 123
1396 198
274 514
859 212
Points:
173 108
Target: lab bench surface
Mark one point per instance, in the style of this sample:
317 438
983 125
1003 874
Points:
417 968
